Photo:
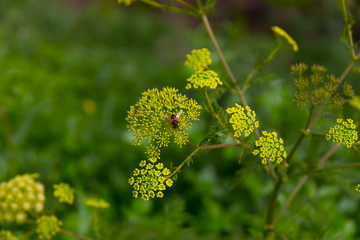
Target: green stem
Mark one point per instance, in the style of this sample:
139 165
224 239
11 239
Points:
182 164
300 138
222 145
71 234
222 58
185 4
317 170
217 116
215 146
291 197
260 67
96 225
349 32
272 206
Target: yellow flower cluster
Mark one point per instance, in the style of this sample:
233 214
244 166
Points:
242 120
19 197
96 203
150 117
357 188
344 132
150 180
64 193
47 226
199 59
204 79
270 148
7 235
282 34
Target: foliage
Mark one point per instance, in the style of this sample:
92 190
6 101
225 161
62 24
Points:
69 72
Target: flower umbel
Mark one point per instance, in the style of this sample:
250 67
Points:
47 226
270 148
204 79
149 118
315 86
150 180
242 120
96 203
282 34
19 197
199 59
7 235
357 188
344 132
64 193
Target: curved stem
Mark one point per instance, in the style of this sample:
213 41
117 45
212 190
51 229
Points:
222 58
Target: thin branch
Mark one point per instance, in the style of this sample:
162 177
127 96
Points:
66 232
222 58
317 170
182 164
327 155
291 197
217 117
225 145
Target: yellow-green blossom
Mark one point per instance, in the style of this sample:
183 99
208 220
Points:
204 79
97 203
19 197
315 86
344 132
64 193
282 34
270 148
242 120
149 118
150 180
47 226
199 59
7 235
126 2
357 188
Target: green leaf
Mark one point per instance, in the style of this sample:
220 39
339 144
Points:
209 4
344 36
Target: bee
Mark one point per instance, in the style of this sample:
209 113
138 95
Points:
175 119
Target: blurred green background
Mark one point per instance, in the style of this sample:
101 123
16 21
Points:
70 70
